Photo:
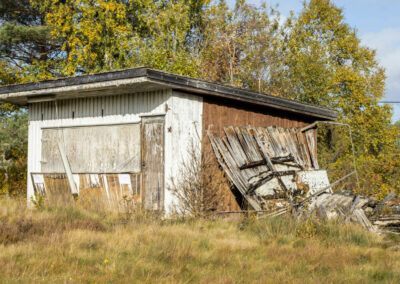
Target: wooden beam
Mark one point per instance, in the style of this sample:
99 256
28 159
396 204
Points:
68 171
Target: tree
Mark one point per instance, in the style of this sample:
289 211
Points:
24 36
24 39
173 36
240 45
398 127
99 35
13 152
325 64
94 34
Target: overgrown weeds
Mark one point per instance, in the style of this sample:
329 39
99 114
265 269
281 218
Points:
71 244
198 188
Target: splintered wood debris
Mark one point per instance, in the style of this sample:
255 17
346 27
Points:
276 170
269 166
108 191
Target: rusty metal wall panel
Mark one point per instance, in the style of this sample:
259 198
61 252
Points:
223 113
220 113
95 149
153 162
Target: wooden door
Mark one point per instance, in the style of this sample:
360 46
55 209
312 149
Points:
153 162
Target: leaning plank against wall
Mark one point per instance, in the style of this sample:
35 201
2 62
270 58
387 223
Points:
220 113
101 110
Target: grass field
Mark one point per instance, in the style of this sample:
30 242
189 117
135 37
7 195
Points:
72 245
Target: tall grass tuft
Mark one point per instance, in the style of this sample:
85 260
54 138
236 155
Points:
71 244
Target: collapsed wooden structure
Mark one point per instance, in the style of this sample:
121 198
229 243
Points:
269 165
138 122
276 171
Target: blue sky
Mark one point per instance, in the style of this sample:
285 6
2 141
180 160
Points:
378 26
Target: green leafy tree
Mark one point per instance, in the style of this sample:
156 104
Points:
241 45
13 152
398 127
172 37
25 38
13 139
325 64
112 34
94 34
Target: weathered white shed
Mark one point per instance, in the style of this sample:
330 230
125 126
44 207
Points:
131 129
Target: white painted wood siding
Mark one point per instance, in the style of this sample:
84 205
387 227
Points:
183 127
87 146
118 109
183 123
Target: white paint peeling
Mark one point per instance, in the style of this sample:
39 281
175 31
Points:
116 109
183 125
316 180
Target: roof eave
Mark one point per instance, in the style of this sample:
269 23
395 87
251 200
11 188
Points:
81 86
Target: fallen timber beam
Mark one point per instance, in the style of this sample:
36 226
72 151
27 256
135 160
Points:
275 160
252 164
283 159
270 176
270 164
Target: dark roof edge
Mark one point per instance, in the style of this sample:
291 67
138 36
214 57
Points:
204 87
180 82
76 80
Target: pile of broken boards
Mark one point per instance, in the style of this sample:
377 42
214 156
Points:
276 170
270 167
383 217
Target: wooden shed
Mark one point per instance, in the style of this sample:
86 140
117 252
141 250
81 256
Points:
129 130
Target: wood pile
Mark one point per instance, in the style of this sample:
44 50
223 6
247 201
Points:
386 215
276 170
383 217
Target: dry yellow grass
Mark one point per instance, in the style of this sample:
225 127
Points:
72 245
